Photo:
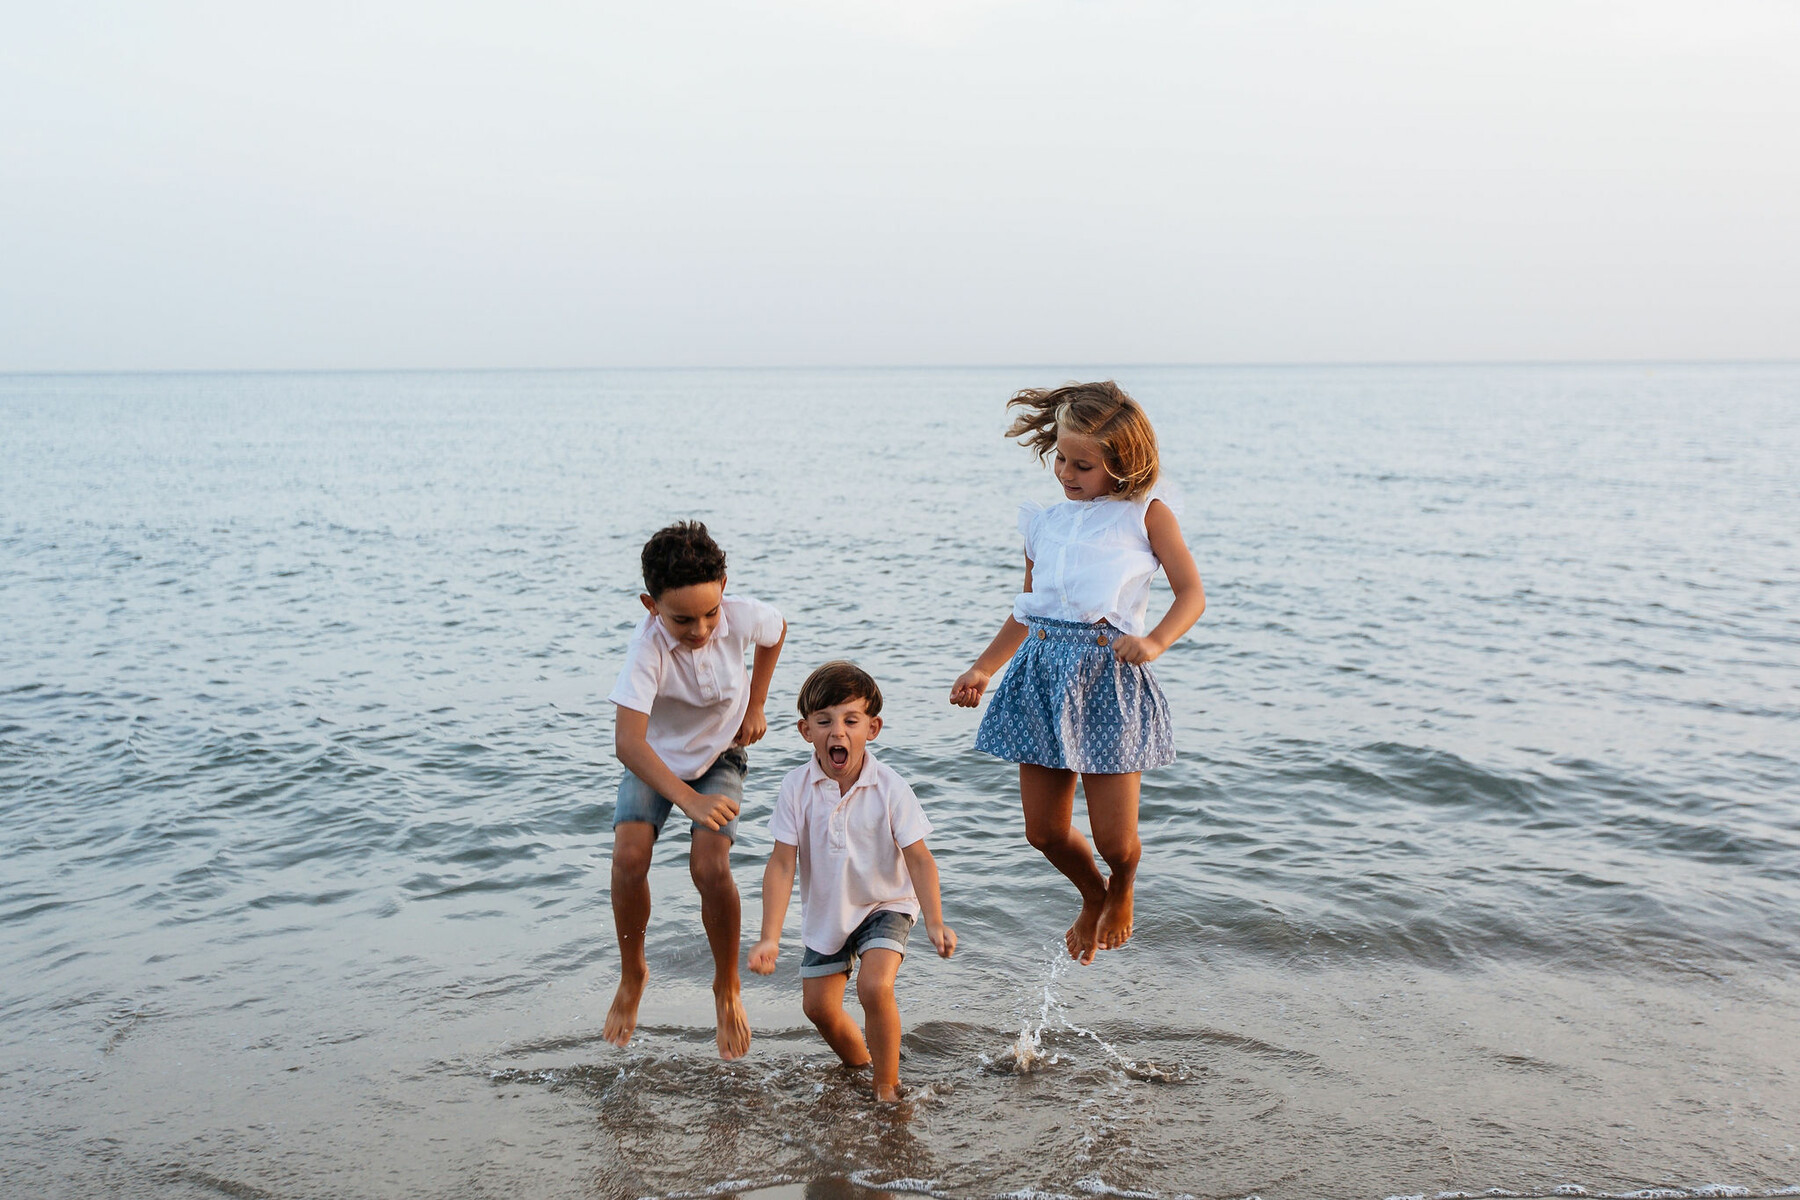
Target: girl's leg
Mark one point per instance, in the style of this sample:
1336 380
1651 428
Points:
1112 802
1048 796
881 1018
822 1000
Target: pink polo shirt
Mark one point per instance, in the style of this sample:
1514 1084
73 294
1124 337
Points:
849 847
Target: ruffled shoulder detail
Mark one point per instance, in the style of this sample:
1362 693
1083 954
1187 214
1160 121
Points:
1028 514
1170 494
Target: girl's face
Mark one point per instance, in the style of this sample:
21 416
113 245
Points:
1080 467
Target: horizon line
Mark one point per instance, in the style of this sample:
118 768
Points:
1270 364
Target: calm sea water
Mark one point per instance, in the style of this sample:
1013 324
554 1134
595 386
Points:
1480 868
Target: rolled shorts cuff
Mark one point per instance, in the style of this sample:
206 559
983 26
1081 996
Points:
883 929
638 801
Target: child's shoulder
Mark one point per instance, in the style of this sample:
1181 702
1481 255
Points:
644 639
747 616
795 780
888 780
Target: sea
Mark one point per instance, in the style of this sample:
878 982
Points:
1478 874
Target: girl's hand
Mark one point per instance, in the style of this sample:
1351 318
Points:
943 939
967 689
1130 649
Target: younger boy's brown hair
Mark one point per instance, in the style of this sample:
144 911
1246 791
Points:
839 682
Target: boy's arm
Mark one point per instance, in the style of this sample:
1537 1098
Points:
762 672
1177 560
923 869
969 686
778 889
632 745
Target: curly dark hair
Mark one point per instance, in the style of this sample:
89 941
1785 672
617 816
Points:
681 555
839 682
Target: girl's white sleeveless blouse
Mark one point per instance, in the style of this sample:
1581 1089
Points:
1090 561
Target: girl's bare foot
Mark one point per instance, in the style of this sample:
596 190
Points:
1114 929
734 1026
1080 938
621 1018
887 1093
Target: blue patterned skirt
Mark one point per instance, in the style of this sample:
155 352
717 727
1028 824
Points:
1066 702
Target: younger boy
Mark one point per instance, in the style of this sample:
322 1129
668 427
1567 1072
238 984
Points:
685 709
865 874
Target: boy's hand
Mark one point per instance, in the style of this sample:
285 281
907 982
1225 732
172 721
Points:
943 938
1130 649
763 956
714 812
752 730
967 689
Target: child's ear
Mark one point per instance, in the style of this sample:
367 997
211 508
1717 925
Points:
647 602
874 728
801 726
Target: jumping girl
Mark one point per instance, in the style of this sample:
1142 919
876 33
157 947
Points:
1079 698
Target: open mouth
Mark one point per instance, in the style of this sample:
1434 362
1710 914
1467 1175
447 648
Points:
839 756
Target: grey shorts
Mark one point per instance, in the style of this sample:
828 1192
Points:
882 929
638 801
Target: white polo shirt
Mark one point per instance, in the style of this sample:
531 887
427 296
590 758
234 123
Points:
695 699
849 847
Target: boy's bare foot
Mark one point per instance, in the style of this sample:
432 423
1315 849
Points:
621 1018
1080 938
1114 929
734 1026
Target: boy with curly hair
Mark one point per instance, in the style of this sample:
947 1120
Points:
686 709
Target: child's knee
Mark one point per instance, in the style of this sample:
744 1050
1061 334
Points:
874 992
1120 851
820 1009
631 862
711 872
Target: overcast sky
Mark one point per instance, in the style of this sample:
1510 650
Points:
864 181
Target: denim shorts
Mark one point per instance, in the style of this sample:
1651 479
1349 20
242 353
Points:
882 929
638 801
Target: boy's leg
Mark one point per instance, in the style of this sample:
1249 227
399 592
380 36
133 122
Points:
1048 796
1113 812
709 862
881 1018
632 843
822 1000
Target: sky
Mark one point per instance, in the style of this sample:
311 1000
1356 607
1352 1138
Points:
804 182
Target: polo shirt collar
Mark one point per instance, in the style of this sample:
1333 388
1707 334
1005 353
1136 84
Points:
669 641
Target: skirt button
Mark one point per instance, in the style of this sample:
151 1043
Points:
1101 640
1042 635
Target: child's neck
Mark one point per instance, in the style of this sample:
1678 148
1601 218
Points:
845 779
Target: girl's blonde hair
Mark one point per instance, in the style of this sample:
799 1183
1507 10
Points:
1101 411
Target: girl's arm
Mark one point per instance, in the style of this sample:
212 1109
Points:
762 670
1184 580
968 687
778 889
923 870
